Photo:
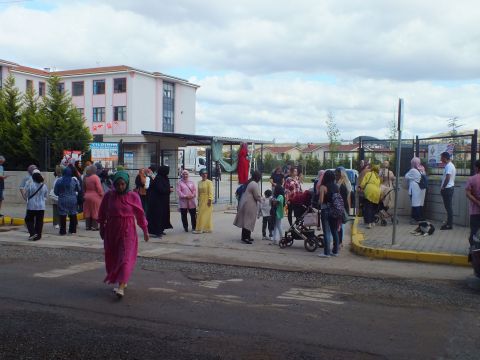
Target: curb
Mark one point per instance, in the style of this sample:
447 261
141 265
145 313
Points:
403 255
7 220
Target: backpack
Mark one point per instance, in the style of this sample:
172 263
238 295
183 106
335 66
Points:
336 206
240 190
423 181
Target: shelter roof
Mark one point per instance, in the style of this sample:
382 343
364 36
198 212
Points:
193 139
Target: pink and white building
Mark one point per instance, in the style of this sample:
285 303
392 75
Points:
118 100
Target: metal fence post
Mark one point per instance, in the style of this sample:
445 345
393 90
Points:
417 147
474 149
399 153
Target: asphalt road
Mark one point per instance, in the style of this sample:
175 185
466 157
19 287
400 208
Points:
53 305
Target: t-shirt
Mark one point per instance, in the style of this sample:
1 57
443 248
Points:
280 207
449 169
473 184
277 178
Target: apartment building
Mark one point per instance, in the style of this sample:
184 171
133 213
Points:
118 100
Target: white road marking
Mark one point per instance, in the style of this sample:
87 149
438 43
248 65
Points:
165 290
74 269
317 295
214 284
158 252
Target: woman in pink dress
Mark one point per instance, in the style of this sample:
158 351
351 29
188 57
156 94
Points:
93 194
187 192
116 217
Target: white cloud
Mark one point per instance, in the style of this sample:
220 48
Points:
275 68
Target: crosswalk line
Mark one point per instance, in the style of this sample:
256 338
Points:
74 269
316 295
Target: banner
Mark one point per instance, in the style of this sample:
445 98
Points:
434 152
105 153
69 155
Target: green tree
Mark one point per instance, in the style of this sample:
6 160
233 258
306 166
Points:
62 123
10 120
392 130
332 132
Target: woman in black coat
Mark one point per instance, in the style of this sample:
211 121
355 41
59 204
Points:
158 200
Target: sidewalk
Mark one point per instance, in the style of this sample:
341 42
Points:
223 246
443 246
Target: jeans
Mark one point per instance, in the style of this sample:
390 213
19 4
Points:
72 227
193 218
330 233
474 226
34 222
277 230
447 196
267 221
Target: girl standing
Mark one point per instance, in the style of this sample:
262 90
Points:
187 192
278 204
117 214
36 192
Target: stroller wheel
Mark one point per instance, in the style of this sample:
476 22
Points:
376 219
383 222
282 244
320 241
310 245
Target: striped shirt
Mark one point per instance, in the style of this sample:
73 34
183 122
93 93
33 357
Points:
37 202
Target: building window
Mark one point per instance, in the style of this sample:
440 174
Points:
98 87
29 85
77 88
119 113
41 89
98 114
81 111
61 88
120 85
168 106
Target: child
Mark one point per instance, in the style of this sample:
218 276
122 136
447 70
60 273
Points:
267 219
278 204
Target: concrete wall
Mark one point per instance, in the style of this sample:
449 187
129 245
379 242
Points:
433 208
12 183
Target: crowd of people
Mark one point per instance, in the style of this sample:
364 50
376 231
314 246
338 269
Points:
111 208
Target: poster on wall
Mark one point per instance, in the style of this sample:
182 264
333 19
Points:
434 151
70 155
105 153
128 160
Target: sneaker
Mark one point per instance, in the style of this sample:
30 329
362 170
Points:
32 237
369 226
196 231
334 254
270 238
264 238
56 227
119 292
246 241
446 227
322 255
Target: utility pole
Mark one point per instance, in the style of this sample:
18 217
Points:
397 177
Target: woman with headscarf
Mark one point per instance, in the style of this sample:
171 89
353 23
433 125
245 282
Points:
158 203
370 186
205 207
67 188
117 214
93 194
417 195
187 192
248 208
316 187
54 198
141 187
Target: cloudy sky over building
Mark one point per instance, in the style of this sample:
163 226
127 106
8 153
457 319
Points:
271 68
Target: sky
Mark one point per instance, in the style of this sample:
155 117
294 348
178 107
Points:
274 69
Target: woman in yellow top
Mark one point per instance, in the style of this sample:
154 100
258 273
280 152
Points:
205 204
371 190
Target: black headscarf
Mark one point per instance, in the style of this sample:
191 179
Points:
163 170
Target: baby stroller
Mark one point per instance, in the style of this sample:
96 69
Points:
387 201
304 226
